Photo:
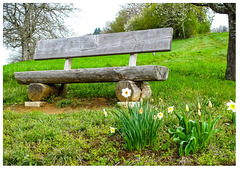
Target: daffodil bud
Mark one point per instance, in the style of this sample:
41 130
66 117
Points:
187 108
140 111
199 106
199 113
210 104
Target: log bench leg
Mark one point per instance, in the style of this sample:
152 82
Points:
63 90
39 91
138 90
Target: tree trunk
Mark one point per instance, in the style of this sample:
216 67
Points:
25 51
231 54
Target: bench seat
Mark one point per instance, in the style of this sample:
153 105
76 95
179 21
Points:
94 75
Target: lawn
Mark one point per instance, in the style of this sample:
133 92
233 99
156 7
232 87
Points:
196 75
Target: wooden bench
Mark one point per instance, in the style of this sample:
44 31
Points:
42 84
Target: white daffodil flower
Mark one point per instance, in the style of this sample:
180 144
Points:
160 115
231 106
170 109
105 113
126 92
112 129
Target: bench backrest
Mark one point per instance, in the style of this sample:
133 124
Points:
154 40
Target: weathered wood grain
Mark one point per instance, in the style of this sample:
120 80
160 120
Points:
39 91
143 41
138 90
94 75
145 88
135 91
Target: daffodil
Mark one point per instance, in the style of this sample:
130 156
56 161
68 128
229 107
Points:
104 112
210 104
199 106
112 129
160 115
231 106
126 92
152 100
154 117
187 108
199 112
140 111
170 109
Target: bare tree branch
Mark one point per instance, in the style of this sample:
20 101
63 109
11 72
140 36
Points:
25 23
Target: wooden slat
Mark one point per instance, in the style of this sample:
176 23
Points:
94 75
143 41
133 60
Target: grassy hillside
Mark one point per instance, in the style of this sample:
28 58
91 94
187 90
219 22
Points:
196 72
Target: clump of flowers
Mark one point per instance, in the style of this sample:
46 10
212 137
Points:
193 135
139 125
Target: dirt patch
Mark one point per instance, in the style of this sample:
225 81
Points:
50 108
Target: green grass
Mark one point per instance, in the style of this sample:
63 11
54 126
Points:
196 74
84 138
